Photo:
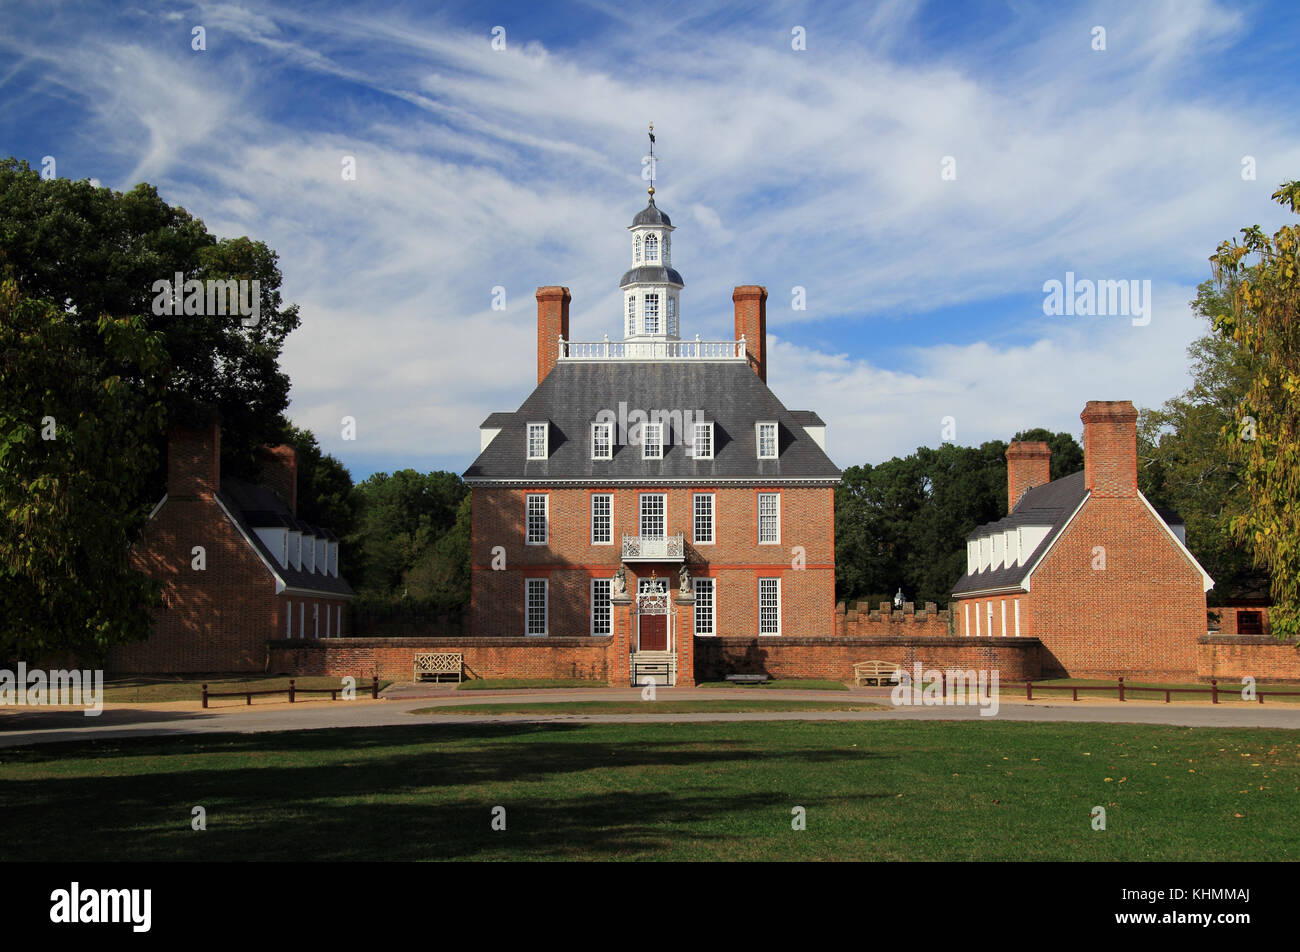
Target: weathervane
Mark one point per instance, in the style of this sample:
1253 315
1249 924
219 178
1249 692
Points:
652 161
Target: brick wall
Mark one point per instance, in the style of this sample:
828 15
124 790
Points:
1143 612
1237 656
833 658
484 657
858 619
735 559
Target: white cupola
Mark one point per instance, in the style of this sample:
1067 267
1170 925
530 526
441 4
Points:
651 286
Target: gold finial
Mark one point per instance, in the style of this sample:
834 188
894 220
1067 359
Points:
651 190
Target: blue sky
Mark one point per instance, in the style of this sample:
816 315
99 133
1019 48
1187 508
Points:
818 168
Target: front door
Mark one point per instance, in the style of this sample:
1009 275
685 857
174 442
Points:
652 614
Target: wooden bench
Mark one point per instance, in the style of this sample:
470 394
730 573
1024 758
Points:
875 672
438 663
747 678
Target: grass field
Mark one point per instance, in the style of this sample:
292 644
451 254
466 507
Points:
879 790
500 684
739 705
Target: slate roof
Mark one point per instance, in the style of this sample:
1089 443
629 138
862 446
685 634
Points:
256 506
729 394
651 273
807 418
650 215
1050 505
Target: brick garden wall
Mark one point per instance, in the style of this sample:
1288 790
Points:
394 658
1237 656
833 658
858 619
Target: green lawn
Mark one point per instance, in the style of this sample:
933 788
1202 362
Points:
878 790
497 684
789 684
651 707
149 690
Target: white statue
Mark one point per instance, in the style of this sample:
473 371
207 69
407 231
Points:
684 577
618 584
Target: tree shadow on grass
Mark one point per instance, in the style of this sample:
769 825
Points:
344 797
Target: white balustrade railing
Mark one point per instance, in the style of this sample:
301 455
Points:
652 349
654 547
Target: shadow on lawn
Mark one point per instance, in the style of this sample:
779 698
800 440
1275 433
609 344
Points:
429 798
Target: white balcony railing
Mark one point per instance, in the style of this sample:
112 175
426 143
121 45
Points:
652 349
654 548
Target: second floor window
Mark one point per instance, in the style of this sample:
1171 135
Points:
704 518
602 531
652 515
537 522
769 518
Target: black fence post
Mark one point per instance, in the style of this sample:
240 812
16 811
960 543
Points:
1121 689
291 690
1214 690
205 696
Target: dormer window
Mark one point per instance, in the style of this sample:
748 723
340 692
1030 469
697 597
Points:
766 440
652 441
651 248
537 441
702 441
652 314
602 443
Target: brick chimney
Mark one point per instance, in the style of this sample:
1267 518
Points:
1110 447
552 323
280 473
1028 464
751 321
193 461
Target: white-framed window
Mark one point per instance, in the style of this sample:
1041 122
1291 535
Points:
1004 617
977 620
288 618
602 441
990 611
652 441
315 620
769 518
767 445
636 249
537 440
702 506
535 606
651 248
769 606
652 314
538 528
667 249
338 626
602 614
967 627
329 617
631 314
1017 617
654 515
672 316
702 440
302 619
704 613
602 519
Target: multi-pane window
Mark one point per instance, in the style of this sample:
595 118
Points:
769 518
703 606
702 442
602 529
667 249
631 314
672 316
652 515
535 606
637 248
651 248
537 441
769 606
601 613
767 441
703 505
602 440
652 314
536 506
652 441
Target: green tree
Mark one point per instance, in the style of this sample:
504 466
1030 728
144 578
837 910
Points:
1182 461
400 518
93 252
1262 276
77 414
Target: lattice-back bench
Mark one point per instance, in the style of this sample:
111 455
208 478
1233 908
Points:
438 663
